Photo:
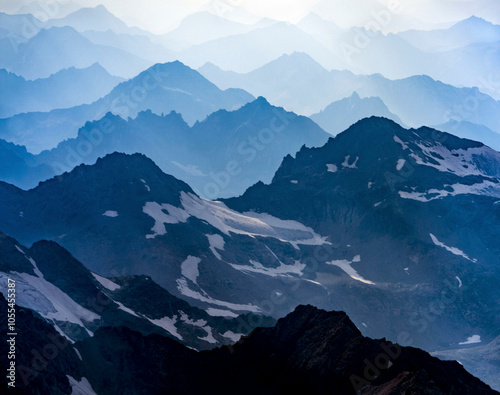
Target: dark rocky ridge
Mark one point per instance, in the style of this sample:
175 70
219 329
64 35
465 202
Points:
309 351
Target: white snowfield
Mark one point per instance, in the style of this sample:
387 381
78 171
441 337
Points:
216 243
485 188
168 324
345 265
189 268
229 221
232 336
108 284
209 338
157 212
453 250
478 161
352 165
481 161
201 295
37 294
220 313
331 168
471 340
399 141
111 214
281 270
81 387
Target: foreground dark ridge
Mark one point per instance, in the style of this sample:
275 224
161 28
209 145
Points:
309 351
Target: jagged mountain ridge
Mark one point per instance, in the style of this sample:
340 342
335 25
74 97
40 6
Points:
64 89
138 225
377 230
255 138
76 302
298 83
162 88
338 358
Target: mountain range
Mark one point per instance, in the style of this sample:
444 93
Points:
66 88
76 302
314 234
297 83
161 89
252 139
339 115
57 48
219 157
316 209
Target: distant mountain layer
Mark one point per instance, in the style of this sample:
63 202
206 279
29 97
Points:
338 116
470 31
50 50
297 83
219 157
64 89
162 88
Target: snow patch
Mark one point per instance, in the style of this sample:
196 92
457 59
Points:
294 181
352 165
252 224
218 215
168 324
400 164
36 293
345 265
472 161
453 250
220 313
399 141
189 268
472 340
126 309
281 270
110 213
184 289
459 282
485 188
200 324
78 353
108 284
157 212
234 337
331 168
81 387
216 242
146 185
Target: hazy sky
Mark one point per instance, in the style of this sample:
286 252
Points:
162 15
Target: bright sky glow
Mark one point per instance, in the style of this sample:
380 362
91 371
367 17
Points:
160 16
